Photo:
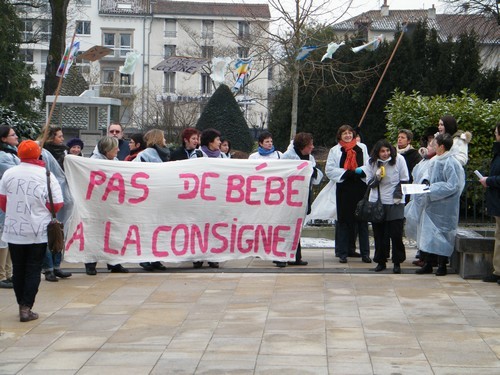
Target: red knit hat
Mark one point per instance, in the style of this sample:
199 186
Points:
28 150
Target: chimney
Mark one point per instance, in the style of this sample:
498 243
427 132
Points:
384 10
431 13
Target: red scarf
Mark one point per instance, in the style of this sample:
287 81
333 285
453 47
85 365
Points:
350 163
38 162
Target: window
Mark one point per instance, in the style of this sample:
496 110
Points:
125 84
83 27
27 29
243 29
125 44
121 43
84 3
243 52
43 62
108 76
169 82
207 52
168 50
206 84
109 40
170 28
45 30
26 55
207 29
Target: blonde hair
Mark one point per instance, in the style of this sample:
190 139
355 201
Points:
106 144
155 137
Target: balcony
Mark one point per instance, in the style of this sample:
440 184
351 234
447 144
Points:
116 91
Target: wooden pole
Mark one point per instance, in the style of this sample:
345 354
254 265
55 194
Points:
381 77
46 128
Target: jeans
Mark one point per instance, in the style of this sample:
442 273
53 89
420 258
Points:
51 261
27 266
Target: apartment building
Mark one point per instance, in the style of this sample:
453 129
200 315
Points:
154 31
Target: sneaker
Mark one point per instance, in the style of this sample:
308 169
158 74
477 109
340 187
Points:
491 278
5 284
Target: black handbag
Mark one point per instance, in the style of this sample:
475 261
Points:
370 211
55 229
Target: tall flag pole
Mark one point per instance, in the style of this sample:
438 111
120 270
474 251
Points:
66 61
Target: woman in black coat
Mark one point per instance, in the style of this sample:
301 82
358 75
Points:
492 185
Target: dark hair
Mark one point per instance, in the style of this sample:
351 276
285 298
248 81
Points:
497 127
301 140
344 128
408 133
374 155
139 138
4 131
188 133
444 140
224 139
208 136
450 124
263 136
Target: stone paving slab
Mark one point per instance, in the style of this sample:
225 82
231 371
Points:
249 317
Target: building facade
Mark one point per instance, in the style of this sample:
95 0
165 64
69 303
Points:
154 31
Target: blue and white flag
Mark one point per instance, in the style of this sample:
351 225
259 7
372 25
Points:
305 51
332 48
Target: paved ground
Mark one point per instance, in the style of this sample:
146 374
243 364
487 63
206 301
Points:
249 317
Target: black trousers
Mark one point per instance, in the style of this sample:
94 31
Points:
394 231
26 269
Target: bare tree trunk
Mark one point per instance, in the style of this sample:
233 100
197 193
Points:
56 46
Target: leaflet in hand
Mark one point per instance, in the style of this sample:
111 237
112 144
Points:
414 189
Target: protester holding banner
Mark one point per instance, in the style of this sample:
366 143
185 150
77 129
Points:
266 148
27 243
107 149
385 175
190 138
115 130
136 145
156 150
345 167
225 148
8 159
210 147
210 143
300 149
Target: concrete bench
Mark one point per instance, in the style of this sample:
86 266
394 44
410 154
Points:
473 255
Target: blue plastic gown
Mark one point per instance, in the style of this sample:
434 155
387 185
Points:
442 205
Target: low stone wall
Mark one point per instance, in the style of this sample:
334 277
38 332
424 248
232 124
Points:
473 255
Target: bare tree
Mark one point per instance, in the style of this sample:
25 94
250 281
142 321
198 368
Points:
486 8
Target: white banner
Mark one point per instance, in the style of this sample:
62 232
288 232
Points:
191 210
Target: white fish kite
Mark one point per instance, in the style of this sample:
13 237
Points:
332 48
373 45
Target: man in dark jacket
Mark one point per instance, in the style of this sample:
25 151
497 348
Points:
115 130
492 185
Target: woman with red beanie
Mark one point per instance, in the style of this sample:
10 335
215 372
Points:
24 199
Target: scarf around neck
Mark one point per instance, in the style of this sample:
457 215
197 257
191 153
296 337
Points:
265 151
210 153
350 163
404 150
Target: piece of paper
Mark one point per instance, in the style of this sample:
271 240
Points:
414 188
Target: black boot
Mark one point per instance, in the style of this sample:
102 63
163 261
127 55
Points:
50 276
90 269
441 270
62 274
426 268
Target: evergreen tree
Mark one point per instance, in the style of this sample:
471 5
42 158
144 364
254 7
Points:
223 113
16 91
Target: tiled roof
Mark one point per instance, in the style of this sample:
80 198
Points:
187 8
445 24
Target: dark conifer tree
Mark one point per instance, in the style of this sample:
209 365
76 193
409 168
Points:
223 113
